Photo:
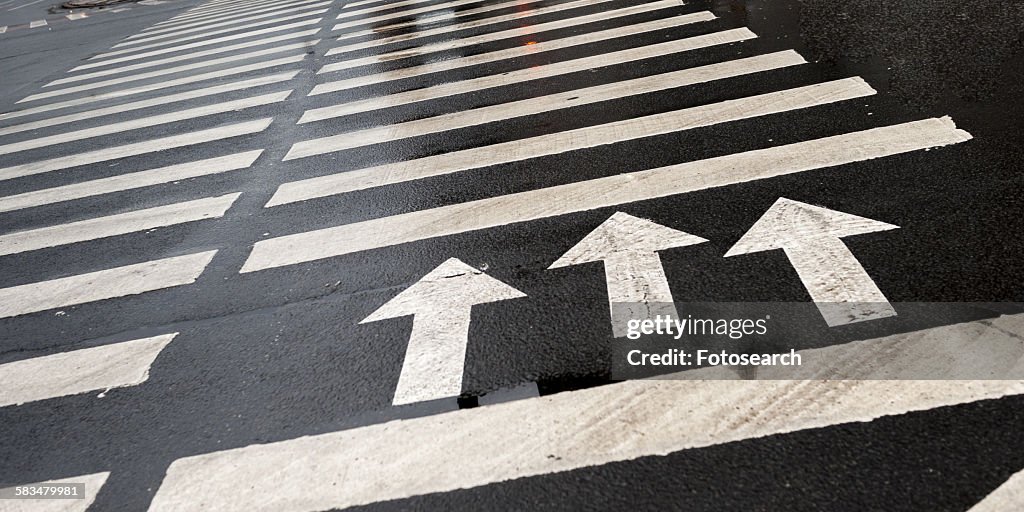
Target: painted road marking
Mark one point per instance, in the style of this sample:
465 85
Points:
115 225
104 284
175 70
524 75
192 37
532 11
79 371
566 431
198 44
76 16
223 10
259 66
603 192
637 286
161 100
437 12
843 89
93 484
462 42
146 122
188 56
1009 496
178 22
3 29
348 13
557 44
152 36
811 237
135 149
37 24
130 181
440 303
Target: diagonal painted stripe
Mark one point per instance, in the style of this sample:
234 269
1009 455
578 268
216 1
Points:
563 432
603 192
130 181
221 73
115 225
146 122
104 284
199 44
348 12
452 28
199 27
1009 496
138 148
93 483
552 102
220 11
511 53
162 100
437 11
105 367
461 42
189 56
178 39
526 75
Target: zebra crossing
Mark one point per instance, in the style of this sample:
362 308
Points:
256 133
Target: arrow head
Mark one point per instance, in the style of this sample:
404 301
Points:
789 223
623 233
453 285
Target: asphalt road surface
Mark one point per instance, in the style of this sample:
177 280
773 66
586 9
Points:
301 255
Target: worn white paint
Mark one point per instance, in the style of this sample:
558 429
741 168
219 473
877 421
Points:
441 303
603 192
37 24
161 41
93 483
442 10
462 42
811 238
348 11
103 284
637 286
114 225
100 368
566 431
1007 497
822 93
203 27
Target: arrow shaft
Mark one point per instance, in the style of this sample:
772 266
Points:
435 357
842 290
637 289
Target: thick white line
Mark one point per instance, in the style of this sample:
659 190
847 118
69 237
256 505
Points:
220 11
562 432
525 75
192 21
1009 496
130 181
104 284
138 148
93 484
603 192
115 225
162 100
568 99
198 44
79 371
532 11
152 36
557 44
436 10
495 36
192 37
348 13
146 122
221 73
188 56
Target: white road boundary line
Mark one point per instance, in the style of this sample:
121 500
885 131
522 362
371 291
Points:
146 122
511 53
259 66
603 192
79 371
135 149
569 99
559 433
462 42
162 100
115 225
130 181
104 284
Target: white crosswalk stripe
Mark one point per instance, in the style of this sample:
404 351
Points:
153 36
349 12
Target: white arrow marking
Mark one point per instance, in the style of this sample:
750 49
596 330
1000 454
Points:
441 302
637 286
811 235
